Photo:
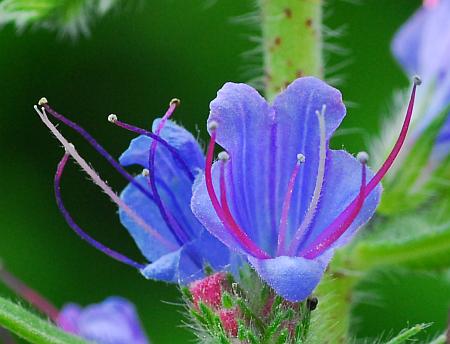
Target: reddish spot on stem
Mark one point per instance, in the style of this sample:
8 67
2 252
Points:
299 73
308 22
288 13
277 40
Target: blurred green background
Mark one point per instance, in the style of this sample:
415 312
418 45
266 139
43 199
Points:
136 60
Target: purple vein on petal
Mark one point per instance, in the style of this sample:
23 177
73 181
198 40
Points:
307 220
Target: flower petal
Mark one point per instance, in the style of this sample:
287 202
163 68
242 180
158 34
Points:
177 137
300 133
164 268
68 318
187 264
203 210
294 278
173 183
342 183
263 143
149 246
114 321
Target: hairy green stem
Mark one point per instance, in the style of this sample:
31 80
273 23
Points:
292 41
31 327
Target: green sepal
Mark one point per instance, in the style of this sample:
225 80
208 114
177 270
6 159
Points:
406 334
32 328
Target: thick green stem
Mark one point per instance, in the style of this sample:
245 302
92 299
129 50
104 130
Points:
292 41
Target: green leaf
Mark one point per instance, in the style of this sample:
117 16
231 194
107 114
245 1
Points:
68 17
31 327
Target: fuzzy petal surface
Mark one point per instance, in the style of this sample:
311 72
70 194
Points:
263 142
294 278
187 263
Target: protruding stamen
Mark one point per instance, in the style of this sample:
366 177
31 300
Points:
338 227
32 296
98 181
398 144
225 218
353 206
417 80
302 229
145 172
178 232
287 205
176 155
99 246
102 151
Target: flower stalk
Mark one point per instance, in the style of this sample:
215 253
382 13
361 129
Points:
292 42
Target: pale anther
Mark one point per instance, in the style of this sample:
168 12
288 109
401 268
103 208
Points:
42 101
212 125
145 172
417 80
112 118
223 156
175 101
300 158
363 157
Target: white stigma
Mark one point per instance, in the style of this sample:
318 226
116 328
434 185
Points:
112 118
42 101
213 125
300 158
417 80
145 172
363 157
223 156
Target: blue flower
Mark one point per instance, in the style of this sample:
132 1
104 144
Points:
195 247
422 46
279 195
113 321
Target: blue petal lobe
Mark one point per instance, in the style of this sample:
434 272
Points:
263 142
177 137
294 278
342 183
150 247
187 264
164 268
